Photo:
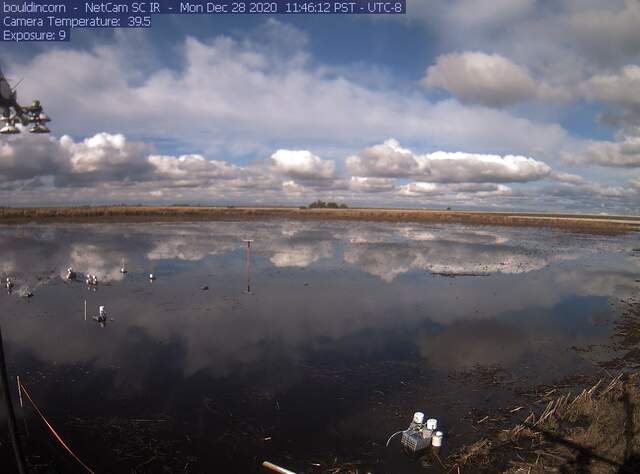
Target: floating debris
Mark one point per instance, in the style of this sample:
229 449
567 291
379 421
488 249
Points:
9 284
204 288
102 316
91 280
152 277
25 293
123 269
71 275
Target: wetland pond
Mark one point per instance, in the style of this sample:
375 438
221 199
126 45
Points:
348 328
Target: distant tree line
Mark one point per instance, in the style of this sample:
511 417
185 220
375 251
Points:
326 205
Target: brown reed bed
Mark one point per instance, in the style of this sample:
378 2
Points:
570 222
595 431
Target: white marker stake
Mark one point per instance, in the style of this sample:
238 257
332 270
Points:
274 468
19 391
85 310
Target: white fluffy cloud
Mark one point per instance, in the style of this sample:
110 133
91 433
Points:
621 88
252 95
101 152
480 190
488 79
102 157
302 164
365 184
479 78
106 157
624 152
191 167
110 168
242 98
391 160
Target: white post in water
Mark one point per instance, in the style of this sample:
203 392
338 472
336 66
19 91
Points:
85 310
19 391
248 264
274 468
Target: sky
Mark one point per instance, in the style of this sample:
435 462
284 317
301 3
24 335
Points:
468 104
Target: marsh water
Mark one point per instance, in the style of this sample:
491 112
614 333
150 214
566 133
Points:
308 355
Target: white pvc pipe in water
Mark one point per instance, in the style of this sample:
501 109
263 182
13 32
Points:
274 468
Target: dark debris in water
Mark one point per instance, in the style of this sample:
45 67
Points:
144 445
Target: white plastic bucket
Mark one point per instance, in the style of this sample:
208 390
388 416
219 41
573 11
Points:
437 439
418 417
432 424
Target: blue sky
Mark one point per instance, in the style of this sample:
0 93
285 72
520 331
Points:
502 104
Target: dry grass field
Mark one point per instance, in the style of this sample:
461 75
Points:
584 223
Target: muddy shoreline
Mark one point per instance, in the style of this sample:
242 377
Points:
136 214
589 427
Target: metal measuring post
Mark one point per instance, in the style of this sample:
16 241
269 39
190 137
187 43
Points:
248 264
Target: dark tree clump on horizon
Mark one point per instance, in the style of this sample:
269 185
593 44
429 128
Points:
326 205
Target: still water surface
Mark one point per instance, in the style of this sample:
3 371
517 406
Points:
348 328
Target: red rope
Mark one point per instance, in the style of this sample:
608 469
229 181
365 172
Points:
53 431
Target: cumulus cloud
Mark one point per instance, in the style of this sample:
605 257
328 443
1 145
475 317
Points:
266 90
478 189
619 88
111 169
113 163
474 13
479 78
371 185
302 164
22 159
260 96
391 160
607 31
191 166
624 152
101 152
568 178
102 157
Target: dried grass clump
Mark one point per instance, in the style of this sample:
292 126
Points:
577 223
596 431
